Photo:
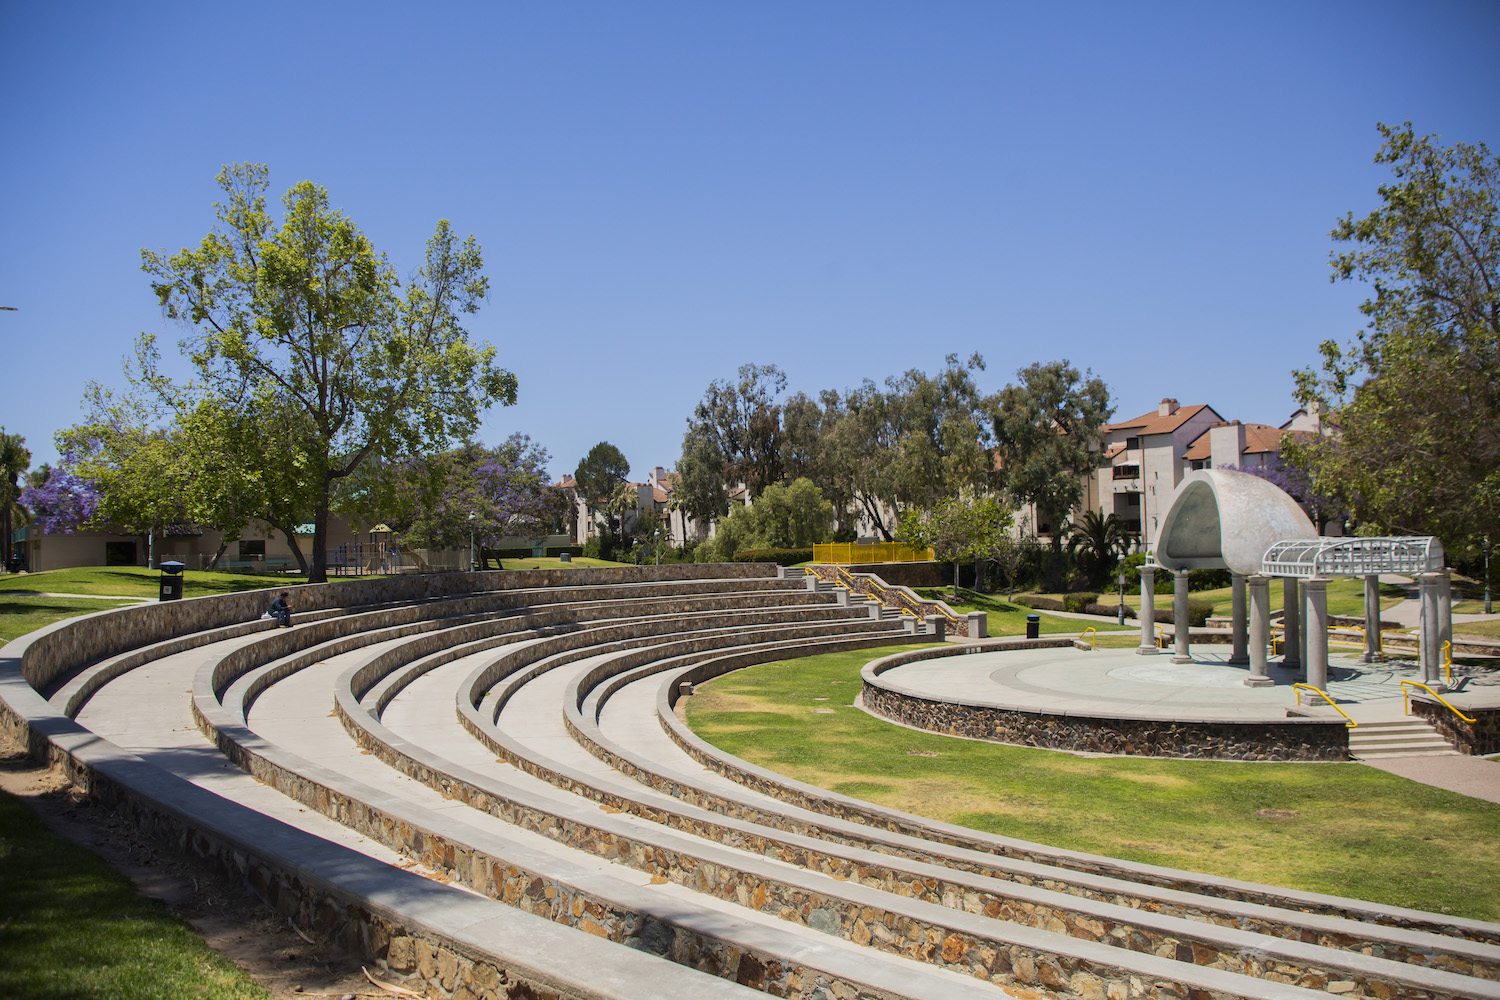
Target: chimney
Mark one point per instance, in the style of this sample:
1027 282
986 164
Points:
1226 444
1167 408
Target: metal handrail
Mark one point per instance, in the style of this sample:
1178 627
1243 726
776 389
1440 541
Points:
1406 700
1299 688
1092 642
1448 660
1161 638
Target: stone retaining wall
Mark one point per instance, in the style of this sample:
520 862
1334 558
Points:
1477 738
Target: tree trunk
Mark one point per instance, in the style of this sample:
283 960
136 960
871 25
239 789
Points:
223 544
319 571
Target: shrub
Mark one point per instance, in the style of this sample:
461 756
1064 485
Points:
1039 603
1132 569
784 557
1198 612
1076 603
556 550
1108 610
1209 579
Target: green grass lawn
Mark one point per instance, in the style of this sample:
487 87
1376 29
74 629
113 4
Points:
138 581
552 562
70 926
1474 606
1355 831
1003 618
1490 630
1346 596
20 613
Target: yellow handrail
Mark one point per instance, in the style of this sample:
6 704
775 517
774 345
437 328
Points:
1299 688
896 598
1092 642
1406 699
1161 640
1448 660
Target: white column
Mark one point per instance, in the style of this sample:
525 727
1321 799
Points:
1445 621
1148 608
1291 622
1303 633
1182 653
1372 653
1317 632
1240 655
1260 629
1428 642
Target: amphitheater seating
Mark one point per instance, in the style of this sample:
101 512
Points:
480 782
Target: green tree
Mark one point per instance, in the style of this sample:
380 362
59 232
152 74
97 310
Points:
1415 397
308 313
919 439
1047 434
743 420
700 492
959 528
15 459
600 478
1097 542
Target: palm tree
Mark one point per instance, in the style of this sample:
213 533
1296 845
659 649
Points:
1098 541
15 459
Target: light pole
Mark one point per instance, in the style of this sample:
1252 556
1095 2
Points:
1120 610
472 561
1487 575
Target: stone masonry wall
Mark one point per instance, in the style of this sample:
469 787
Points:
1477 738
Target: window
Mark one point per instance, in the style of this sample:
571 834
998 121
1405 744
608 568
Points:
1127 471
1132 443
255 548
119 553
1133 499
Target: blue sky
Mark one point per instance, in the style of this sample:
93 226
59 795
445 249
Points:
666 191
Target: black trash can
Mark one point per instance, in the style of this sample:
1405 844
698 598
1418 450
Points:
171 581
1033 626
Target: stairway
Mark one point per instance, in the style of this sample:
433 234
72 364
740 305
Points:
1402 738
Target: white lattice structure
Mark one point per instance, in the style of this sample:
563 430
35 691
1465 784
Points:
1305 558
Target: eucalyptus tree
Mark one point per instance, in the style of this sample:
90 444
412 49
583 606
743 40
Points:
306 311
1415 398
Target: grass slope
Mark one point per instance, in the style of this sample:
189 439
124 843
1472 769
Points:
72 927
21 613
1355 831
138 581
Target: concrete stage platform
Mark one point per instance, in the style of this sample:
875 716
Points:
1123 684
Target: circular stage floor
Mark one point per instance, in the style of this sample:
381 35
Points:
1121 683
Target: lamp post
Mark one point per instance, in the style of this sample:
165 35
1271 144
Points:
1120 609
1487 575
473 564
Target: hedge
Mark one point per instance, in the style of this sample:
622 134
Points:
783 557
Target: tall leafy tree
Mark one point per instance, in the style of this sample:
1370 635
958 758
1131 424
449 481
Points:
600 478
919 439
743 419
700 492
307 312
1416 395
1047 435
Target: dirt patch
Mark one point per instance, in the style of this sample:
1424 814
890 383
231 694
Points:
231 920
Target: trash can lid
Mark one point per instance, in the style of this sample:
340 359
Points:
1033 618
172 566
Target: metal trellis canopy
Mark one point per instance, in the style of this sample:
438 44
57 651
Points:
1304 558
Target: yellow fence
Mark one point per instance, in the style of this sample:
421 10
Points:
856 553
